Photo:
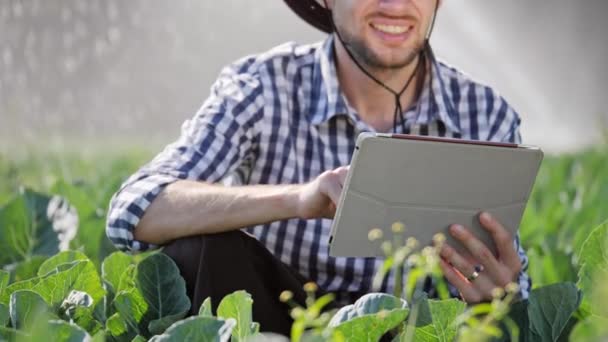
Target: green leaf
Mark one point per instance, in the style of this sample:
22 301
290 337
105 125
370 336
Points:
78 275
127 279
35 224
198 328
4 277
371 303
436 320
118 329
550 308
593 328
10 334
158 326
593 259
65 257
139 338
205 309
4 315
371 327
163 289
25 307
370 317
27 269
238 305
132 308
21 285
113 268
61 331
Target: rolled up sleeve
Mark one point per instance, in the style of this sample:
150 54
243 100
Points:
212 145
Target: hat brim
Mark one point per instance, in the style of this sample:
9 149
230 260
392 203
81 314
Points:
313 13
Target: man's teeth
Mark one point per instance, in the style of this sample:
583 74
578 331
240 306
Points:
391 28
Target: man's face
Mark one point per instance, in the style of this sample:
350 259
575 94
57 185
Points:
384 34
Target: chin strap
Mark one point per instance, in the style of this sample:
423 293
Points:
425 53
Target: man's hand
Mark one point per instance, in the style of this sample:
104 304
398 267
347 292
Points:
475 279
320 197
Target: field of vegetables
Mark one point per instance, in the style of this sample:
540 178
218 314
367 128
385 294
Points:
61 279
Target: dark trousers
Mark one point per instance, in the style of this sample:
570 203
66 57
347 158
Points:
219 264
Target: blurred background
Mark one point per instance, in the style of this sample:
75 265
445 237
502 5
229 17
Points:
111 72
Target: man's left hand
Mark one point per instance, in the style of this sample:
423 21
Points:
475 279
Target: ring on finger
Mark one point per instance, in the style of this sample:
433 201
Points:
478 269
473 276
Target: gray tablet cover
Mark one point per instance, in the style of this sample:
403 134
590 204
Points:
429 185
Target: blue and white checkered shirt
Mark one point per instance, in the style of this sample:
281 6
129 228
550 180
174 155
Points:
280 118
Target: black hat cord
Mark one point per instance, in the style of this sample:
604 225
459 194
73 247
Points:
398 107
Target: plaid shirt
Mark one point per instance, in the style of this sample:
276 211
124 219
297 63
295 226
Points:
281 118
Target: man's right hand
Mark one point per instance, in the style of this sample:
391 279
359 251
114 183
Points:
320 197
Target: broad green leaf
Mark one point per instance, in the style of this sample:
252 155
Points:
158 326
27 269
371 327
61 258
78 275
593 328
113 268
118 329
238 305
10 334
25 307
437 320
370 317
21 285
550 308
4 277
35 224
57 330
205 309
4 315
593 259
197 328
368 304
78 307
132 308
127 279
163 289
85 319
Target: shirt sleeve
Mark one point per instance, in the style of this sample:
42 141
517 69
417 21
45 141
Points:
212 145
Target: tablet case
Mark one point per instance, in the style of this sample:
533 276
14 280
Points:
427 184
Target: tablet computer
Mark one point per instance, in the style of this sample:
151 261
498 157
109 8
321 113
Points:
428 184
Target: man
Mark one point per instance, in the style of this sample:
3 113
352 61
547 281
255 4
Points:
268 152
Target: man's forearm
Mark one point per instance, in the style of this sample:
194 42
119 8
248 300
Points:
187 208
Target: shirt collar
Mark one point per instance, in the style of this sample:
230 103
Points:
329 101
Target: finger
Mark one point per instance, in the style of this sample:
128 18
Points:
478 250
462 265
342 173
466 289
333 190
502 238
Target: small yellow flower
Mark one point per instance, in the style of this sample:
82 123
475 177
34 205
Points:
375 234
286 296
498 293
310 287
439 238
512 288
398 227
411 243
